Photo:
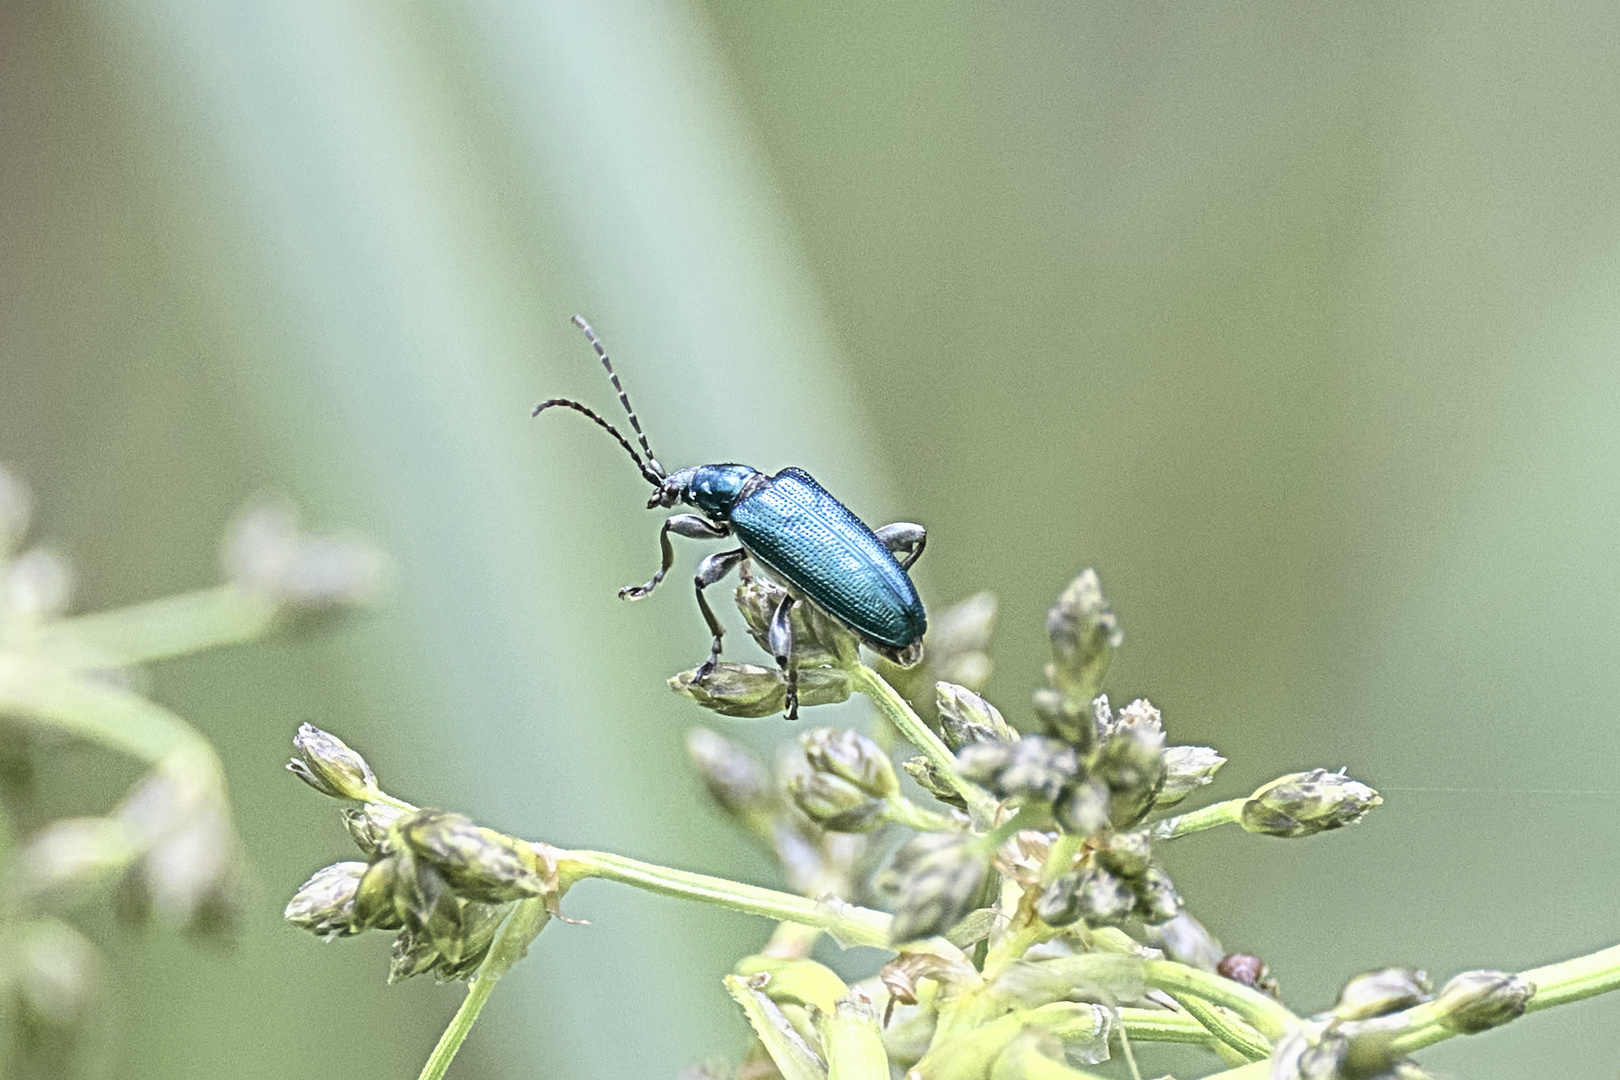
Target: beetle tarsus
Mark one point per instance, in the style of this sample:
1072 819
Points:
780 637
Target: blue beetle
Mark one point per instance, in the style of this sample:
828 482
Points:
789 525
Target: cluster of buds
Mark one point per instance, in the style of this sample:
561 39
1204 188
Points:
823 649
268 554
439 879
1354 1039
810 811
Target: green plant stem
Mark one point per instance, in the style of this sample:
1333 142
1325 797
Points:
528 918
159 629
848 924
1229 812
903 811
1228 1029
1161 1025
896 711
853 1040
1269 1017
49 696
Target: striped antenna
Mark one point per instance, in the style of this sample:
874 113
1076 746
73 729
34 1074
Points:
624 399
650 469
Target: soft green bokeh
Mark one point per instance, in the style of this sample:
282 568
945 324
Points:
1297 321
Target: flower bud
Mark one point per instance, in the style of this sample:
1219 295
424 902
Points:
1058 905
1187 941
939 876
1379 992
324 905
851 756
737 781
369 825
1125 855
1103 899
1139 715
375 906
834 803
265 552
16 510
928 778
477 863
1156 898
326 763
418 951
1480 1000
1131 763
748 691
1083 810
1034 768
965 717
1303 804
1186 769
1084 634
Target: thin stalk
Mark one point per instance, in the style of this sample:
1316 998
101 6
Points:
903 811
848 924
1269 1017
159 629
1228 1029
897 712
1229 812
527 919
1161 1025
49 696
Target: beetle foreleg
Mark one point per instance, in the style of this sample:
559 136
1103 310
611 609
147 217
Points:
904 536
711 570
688 525
781 639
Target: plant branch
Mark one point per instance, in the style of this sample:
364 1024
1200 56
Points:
1229 812
527 919
848 924
1269 1017
895 710
159 629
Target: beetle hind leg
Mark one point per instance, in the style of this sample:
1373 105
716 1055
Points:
711 570
688 525
905 540
781 639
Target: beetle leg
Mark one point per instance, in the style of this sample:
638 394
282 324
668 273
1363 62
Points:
781 639
688 525
904 536
711 570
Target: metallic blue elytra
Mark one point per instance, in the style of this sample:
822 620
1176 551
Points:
790 525
811 540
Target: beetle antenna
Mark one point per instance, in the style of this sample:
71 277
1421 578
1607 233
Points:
624 399
654 472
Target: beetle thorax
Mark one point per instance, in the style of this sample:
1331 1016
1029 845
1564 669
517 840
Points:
713 489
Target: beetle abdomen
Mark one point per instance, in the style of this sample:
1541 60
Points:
811 539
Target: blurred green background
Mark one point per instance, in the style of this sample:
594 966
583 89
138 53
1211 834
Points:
1298 321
